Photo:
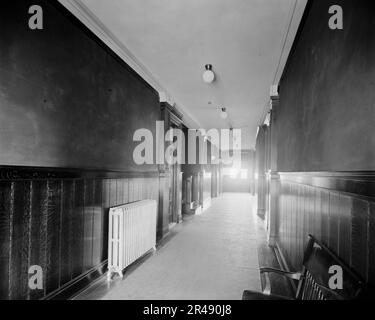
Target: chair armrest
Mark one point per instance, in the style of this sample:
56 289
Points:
253 295
291 275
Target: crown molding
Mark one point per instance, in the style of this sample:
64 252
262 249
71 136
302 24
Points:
93 23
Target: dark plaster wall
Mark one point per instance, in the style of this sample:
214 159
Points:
65 99
326 117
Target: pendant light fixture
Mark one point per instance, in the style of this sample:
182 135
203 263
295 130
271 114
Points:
208 75
223 113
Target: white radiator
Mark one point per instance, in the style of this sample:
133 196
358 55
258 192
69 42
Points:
132 232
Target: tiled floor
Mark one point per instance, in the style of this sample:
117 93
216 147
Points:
211 256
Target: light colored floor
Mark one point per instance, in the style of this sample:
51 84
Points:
212 256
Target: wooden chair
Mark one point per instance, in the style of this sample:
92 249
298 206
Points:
313 280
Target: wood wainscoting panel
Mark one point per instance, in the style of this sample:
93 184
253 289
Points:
20 229
6 190
58 219
39 233
78 223
66 231
97 223
88 224
337 208
371 245
52 271
345 221
360 233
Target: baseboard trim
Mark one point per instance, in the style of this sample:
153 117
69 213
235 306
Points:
75 286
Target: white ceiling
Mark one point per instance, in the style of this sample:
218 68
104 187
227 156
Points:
174 39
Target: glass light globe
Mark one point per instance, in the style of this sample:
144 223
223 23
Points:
208 76
223 114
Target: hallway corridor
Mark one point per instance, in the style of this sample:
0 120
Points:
122 120
211 256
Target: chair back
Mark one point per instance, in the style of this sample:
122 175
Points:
315 283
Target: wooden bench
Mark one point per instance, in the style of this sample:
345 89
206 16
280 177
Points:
312 282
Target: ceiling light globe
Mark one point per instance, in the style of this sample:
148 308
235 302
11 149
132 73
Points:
208 76
223 115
